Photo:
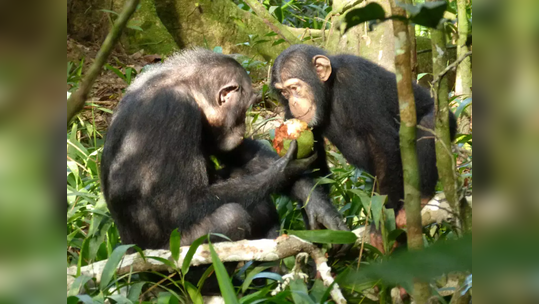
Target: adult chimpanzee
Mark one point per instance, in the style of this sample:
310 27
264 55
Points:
157 171
354 103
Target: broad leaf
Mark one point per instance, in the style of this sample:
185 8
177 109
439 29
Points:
119 299
463 105
77 284
112 264
427 14
134 291
250 277
190 253
227 291
194 293
174 244
370 12
377 204
299 292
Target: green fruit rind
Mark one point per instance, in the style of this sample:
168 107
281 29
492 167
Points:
305 144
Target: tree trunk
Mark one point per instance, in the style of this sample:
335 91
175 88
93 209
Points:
444 156
376 45
463 85
407 132
212 23
413 47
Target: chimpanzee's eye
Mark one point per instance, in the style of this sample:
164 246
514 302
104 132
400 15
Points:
285 94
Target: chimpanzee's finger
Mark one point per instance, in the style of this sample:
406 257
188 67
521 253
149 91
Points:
292 149
305 163
333 221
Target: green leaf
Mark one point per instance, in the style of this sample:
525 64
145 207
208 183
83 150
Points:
394 234
194 293
427 14
325 181
222 236
218 49
134 291
277 42
204 276
371 11
164 298
317 291
250 277
421 75
299 292
164 261
77 284
174 244
86 299
464 139
325 236
134 27
110 12
112 264
227 291
389 219
272 9
190 253
377 204
462 106
119 299
269 275
115 71
257 296
82 252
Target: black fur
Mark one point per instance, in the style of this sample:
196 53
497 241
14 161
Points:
358 111
157 174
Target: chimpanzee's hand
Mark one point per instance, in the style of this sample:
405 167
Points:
296 167
322 214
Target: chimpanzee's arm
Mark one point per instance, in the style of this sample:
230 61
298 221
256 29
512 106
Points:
253 185
254 157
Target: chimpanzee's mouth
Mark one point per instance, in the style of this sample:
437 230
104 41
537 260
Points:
305 114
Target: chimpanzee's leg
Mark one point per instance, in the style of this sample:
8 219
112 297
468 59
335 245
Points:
230 219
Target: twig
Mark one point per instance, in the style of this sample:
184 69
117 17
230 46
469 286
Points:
76 101
430 50
450 67
420 127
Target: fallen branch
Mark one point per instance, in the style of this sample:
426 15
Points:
76 101
257 250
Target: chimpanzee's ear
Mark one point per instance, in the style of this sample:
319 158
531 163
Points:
226 92
323 67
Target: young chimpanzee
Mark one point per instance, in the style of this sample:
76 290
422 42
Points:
354 103
157 168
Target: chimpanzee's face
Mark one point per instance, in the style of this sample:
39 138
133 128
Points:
300 98
302 85
230 92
